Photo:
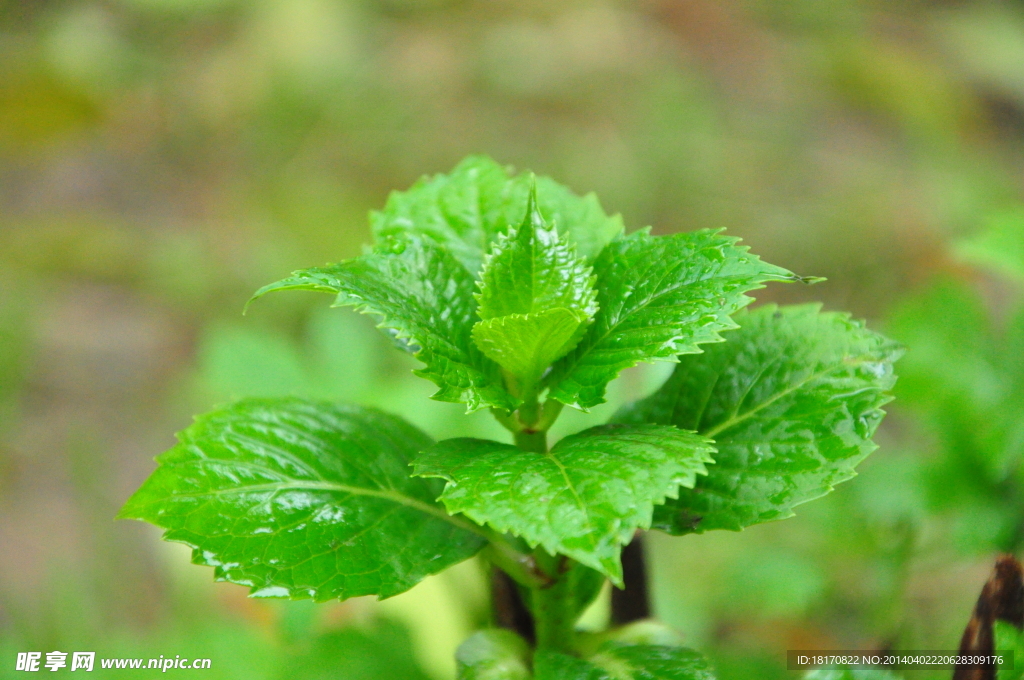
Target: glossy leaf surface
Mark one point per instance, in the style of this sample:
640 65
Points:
658 297
531 269
526 344
466 209
625 662
303 499
584 499
425 297
791 400
536 298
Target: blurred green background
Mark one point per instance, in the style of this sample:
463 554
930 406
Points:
161 159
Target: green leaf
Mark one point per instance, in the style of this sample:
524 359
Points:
462 211
848 674
494 655
536 298
465 210
304 499
791 402
580 218
422 294
526 344
658 297
584 499
531 269
625 662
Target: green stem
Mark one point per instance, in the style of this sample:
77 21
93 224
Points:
551 594
529 411
535 442
522 567
507 420
554 615
549 414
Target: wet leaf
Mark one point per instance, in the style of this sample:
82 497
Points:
465 210
791 401
658 297
303 499
536 298
421 293
584 499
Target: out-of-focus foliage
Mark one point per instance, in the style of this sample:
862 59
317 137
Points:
160 159
965 381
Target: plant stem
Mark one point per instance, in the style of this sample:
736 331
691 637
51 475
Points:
529 411
554 616
549 414
520 566
535 442
508 421
552 603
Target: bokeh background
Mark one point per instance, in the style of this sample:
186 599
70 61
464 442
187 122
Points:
161 159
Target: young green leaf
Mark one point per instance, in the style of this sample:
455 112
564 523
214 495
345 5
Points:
536 298
791 401
625 662
658 297
420 292
580 218
532 269
462 211
303 499
494 655
465 210
584 499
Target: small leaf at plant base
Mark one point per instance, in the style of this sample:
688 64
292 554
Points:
848 674
584 499
536 298
791 400
658 297
303 499
465 210
625 662
425 297
494 655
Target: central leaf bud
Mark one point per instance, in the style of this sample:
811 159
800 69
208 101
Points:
536 299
